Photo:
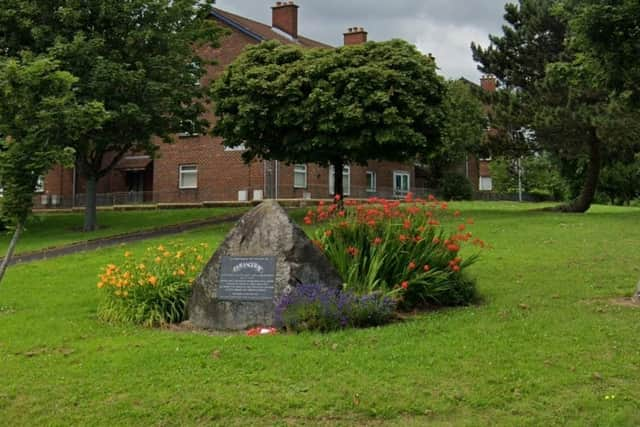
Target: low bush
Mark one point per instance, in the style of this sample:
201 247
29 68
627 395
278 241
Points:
152 289
402 250
456 187
316 308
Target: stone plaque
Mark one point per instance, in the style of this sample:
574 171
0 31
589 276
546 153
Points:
247 278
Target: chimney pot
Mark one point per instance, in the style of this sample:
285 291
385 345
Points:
489 83
355 35
285 17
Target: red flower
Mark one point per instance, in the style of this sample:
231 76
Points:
328 233
409 197
412 266
405 285
377 241
308 220
407 224
426 268
337 198
402 238
453 247
342 213
456 268
444 206
456 214
431 198
352 251
462 227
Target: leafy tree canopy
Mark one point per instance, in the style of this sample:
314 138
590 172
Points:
554 90
139 59
376 101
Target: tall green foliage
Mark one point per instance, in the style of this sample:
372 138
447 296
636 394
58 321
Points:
377 101
40 118
555 90
138 58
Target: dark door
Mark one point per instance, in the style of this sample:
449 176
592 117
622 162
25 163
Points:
135 186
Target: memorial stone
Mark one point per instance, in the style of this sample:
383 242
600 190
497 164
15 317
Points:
262 258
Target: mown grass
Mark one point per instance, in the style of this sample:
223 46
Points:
547 347
48 230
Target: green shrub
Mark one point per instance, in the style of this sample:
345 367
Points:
456 187
153 289
399 249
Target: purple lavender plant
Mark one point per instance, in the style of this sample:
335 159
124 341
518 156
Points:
317 308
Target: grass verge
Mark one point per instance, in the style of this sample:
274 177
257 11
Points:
548 347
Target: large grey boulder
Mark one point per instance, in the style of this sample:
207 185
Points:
266 231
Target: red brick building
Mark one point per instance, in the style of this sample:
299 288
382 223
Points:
198 168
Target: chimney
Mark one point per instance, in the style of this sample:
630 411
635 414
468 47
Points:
488 83
355 35
285 17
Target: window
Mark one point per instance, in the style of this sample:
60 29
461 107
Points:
240 147
300 176
189 129
486 183
371 182
401 183
40 185
346 180
188 176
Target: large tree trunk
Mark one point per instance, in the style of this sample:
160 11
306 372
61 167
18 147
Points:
12 248
338 184
90 211
583 202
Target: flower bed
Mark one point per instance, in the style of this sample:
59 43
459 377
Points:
151 289
409 250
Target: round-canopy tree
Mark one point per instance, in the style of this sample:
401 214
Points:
376 101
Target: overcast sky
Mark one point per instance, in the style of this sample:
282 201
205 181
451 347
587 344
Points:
444 28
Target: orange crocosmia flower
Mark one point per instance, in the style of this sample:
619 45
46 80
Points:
402 238
444 206
456 268
307 220
328 233
434 222
377 241
371 223
462 227
409 197
426 268
342 213
352 251
407 224
412 266
405 285
453 247
153 280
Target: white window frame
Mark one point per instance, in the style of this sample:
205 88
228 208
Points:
240 147
374 182
39 185
397 191
346 180
482 187
185 170
188 134
300 169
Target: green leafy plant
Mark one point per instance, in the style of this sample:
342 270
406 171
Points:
399 249
152 290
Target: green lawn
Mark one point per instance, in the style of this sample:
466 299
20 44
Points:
48 230
547 347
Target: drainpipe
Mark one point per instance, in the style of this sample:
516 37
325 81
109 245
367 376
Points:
73 188
277 172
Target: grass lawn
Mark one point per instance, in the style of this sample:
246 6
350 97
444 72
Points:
43 231
547 347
